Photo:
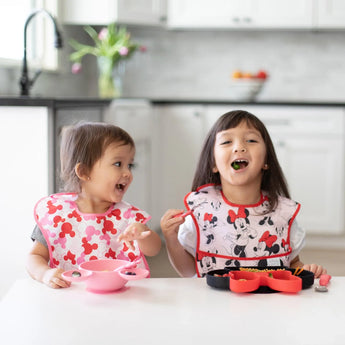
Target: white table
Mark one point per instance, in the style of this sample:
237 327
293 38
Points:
170 311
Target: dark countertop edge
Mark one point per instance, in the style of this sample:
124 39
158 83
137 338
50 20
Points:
259 103
69 102
52 102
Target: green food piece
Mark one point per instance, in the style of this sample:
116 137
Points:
236 166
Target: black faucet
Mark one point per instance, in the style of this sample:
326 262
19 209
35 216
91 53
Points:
25 82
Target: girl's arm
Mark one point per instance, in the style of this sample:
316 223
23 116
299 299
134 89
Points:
181 260
318 270
38 268
149 241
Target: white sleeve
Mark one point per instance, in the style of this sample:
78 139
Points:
297 239
187 236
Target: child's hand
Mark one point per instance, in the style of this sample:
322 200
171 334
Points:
170 222
136 231
53 278
318 270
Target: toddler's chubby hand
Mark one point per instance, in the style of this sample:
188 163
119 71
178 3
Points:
318 270
136 231
171 221
53 278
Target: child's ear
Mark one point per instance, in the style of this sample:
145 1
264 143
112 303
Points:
215 169
81 172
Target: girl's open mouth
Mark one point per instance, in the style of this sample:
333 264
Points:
239 164
120 187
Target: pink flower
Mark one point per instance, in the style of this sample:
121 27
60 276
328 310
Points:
123 51
76 68
143 49
103 34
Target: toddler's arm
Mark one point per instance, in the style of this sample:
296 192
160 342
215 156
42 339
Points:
318 270
180 259
149 241
38 268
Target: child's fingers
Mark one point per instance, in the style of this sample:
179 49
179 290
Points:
57 283
144 234
130 245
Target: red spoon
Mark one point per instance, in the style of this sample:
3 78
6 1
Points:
187 213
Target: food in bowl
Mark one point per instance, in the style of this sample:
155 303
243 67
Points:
245 86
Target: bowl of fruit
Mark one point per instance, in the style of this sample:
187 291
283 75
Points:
245 86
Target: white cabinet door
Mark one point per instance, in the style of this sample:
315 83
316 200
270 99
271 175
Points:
25 177
330 14
135 117
313 167
282 13
145 12
86 12
178 137
309 142
240 14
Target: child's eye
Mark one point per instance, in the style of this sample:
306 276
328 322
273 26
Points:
225 142
252 141
131 166
117 164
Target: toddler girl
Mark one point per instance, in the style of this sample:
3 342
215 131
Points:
241 212
90 221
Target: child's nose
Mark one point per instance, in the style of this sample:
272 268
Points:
240 148
126 172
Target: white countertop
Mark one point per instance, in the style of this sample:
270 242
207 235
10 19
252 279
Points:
170 311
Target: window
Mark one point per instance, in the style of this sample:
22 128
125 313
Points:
40 33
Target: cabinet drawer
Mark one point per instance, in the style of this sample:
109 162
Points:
292 119
311 120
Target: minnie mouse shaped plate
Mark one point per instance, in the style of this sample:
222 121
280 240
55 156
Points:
272 279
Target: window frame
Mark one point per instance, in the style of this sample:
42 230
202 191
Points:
41 52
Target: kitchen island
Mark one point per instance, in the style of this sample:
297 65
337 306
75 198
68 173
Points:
170 311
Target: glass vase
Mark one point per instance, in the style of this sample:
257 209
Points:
110 77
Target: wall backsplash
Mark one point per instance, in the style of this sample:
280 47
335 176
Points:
303 66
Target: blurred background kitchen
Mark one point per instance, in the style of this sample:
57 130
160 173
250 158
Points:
172 93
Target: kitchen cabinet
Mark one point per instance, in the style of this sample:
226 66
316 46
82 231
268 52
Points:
240 14
135 117
25 177
331 14
86 12
177 140
310 143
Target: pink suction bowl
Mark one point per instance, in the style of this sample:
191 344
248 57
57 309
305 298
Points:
100 276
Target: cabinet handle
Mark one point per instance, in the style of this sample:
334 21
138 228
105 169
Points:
247 20
236 19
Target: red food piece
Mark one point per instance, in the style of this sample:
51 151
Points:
262 74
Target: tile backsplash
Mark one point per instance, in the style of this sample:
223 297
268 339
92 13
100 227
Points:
303 65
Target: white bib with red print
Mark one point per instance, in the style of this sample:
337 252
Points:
74 237
231 235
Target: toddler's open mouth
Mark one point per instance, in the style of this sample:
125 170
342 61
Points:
238 164
120 187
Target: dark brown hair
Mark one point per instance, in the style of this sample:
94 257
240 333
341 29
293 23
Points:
85 143
273 180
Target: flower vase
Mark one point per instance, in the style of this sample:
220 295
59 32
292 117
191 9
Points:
110 77
118 75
